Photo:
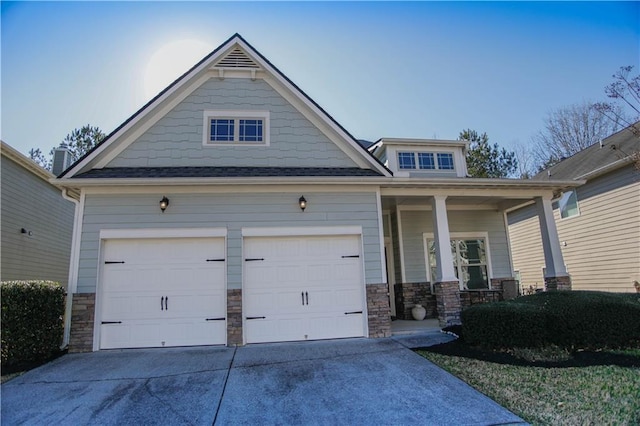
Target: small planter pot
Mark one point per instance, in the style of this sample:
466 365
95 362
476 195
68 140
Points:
418 312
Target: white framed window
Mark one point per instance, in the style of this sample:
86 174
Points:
425 161
471 259
224 128
568 205
406 160
445 161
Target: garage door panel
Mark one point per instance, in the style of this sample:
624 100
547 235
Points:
163 292
297 267
287 329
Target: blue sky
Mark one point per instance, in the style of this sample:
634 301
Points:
418 69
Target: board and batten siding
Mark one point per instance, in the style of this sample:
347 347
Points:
29 202
231 211
417 222
176 139
600 246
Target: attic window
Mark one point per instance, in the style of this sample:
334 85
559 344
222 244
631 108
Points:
425 161
236 128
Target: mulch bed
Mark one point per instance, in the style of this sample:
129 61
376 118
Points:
578 358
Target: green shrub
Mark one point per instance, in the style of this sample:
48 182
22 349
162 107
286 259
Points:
568 319
32 321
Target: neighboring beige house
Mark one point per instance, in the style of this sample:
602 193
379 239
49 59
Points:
37 222
598 222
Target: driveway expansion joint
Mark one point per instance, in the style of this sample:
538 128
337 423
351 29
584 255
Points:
224 387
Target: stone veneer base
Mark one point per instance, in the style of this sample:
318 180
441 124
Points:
448 301
407 295
557 283
379 314
234 317
83 310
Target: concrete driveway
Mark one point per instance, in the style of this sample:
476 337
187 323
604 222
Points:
354 381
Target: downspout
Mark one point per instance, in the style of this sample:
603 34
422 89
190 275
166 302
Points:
72 282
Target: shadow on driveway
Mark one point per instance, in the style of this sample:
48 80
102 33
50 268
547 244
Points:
352 381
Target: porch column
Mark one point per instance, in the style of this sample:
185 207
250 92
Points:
444 260
446 286
556 276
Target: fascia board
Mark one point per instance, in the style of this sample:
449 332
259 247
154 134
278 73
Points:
387 184
606 169
422 142
25 162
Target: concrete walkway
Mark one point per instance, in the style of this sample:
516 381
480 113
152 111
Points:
351 381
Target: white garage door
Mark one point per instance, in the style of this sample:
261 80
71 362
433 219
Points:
302 288
163 292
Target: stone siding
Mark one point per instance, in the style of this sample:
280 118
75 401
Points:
557 283
448 302
82 318
407 295
379 314
234 318
476 297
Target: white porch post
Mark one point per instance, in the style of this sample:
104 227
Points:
554 263
444 260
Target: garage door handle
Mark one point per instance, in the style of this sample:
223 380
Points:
307 295
353 312
302 294
111 322
353 255
215 260
250 318
111 262
166 303
162 303
215 319
254 259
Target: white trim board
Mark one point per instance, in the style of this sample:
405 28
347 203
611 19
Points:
301 231
108 234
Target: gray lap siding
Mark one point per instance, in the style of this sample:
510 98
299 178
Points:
232 211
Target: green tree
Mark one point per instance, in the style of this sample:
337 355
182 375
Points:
485 160
82 140
78 142
36 155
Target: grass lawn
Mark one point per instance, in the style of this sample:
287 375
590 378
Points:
594 394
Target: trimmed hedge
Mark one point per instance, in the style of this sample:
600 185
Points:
32 321
568 319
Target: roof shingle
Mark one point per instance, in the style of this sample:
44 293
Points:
222 172
614 148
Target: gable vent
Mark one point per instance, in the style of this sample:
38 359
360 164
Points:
237 58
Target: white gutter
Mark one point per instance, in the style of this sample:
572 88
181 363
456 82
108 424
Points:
605 169
392 182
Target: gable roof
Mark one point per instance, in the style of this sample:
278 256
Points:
233 55
610 154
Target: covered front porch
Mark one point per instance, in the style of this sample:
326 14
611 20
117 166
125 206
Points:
447 249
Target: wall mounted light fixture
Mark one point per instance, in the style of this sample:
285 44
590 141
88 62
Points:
303 203
164 203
